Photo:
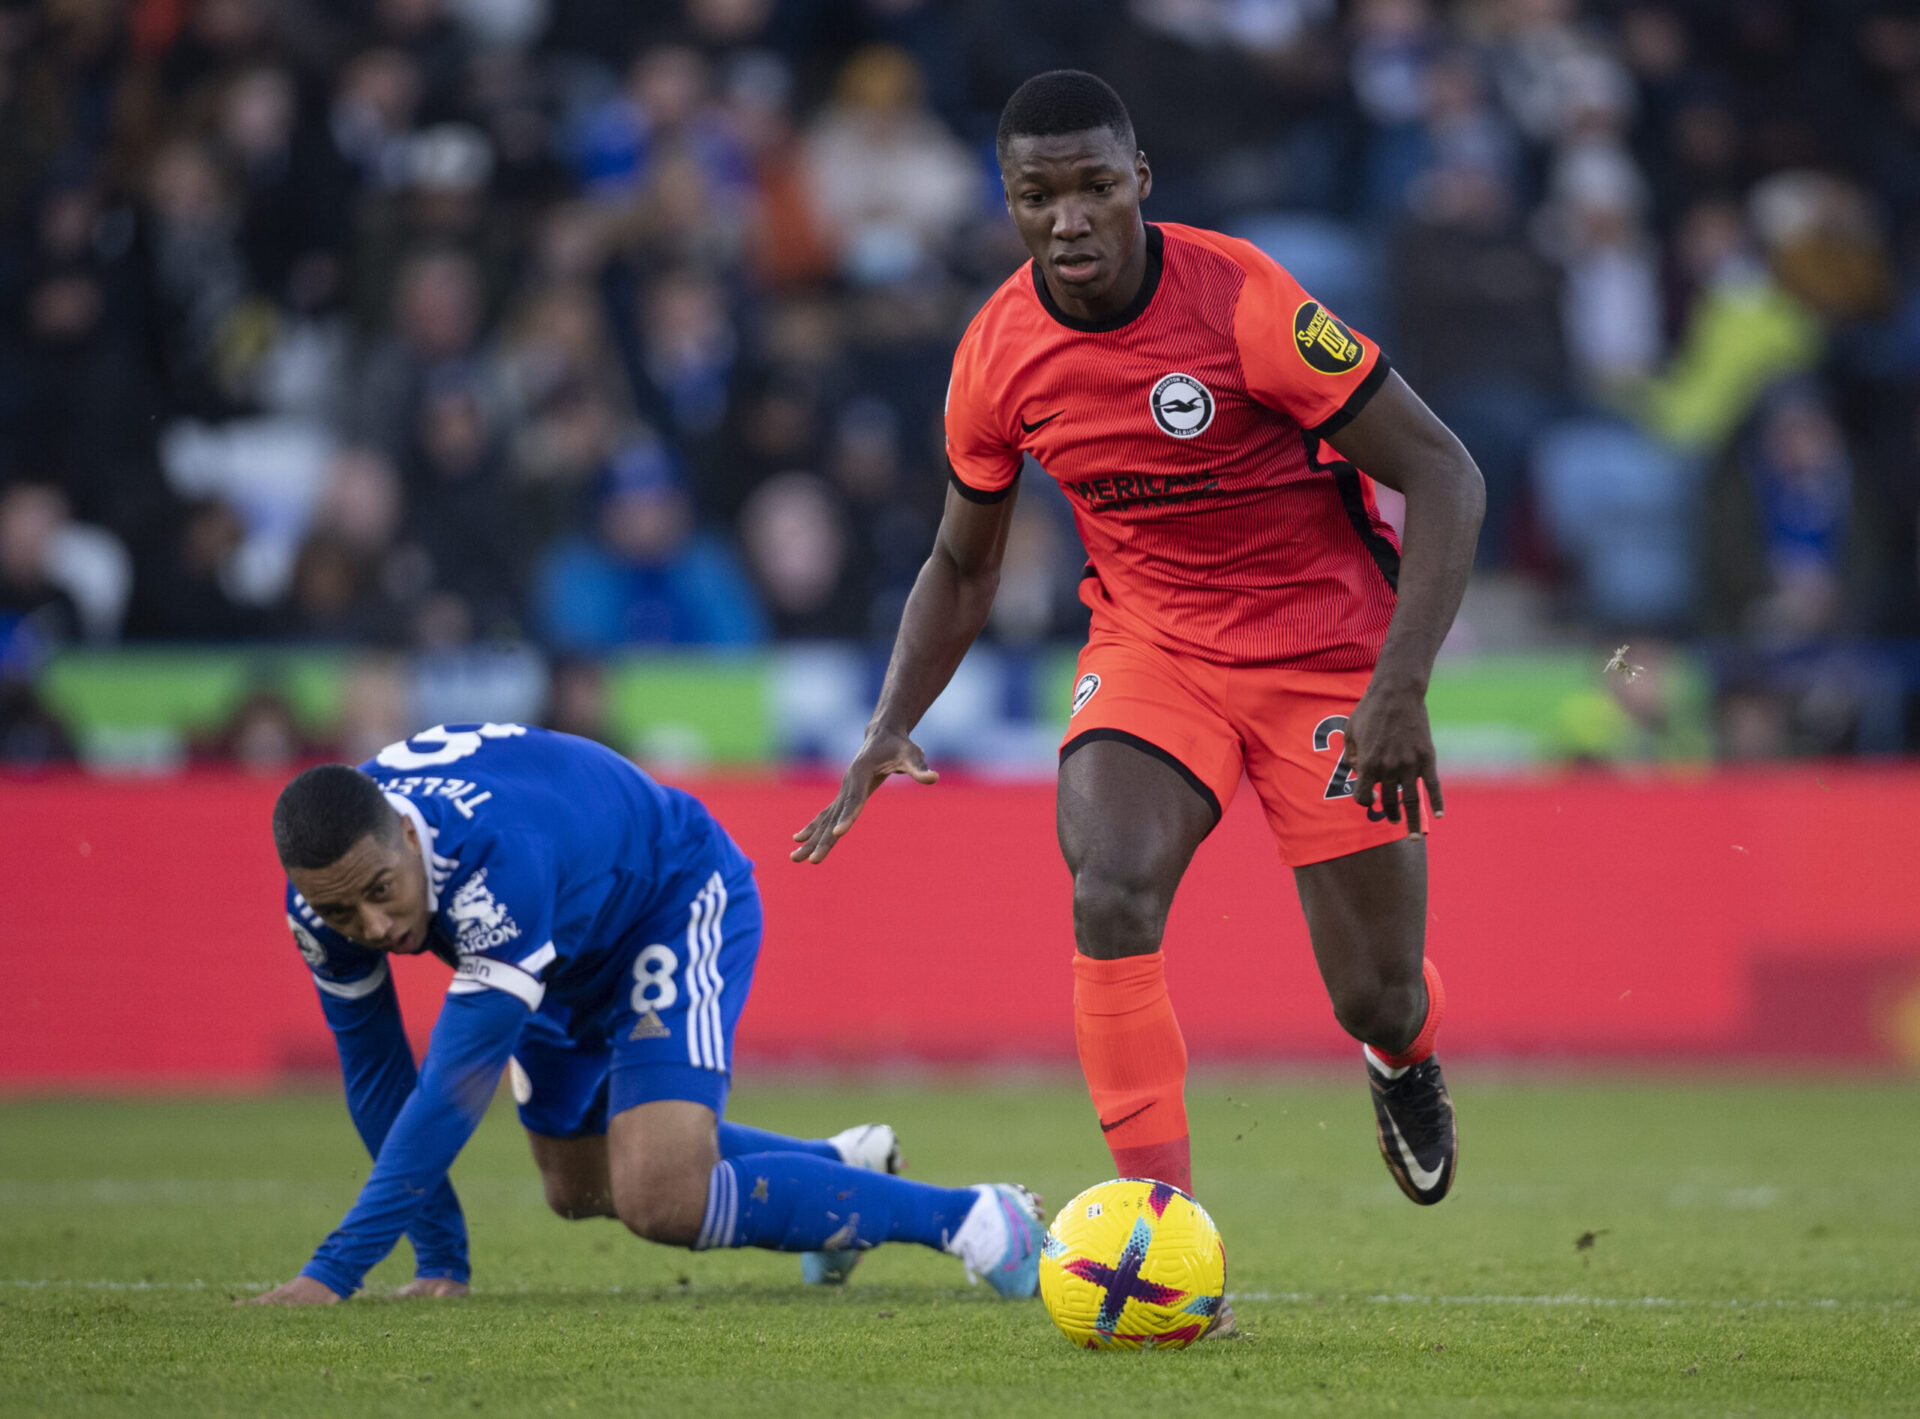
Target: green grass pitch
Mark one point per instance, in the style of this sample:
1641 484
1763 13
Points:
1754 1250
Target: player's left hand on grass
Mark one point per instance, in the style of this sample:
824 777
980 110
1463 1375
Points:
432 1288
1389 749
301 1291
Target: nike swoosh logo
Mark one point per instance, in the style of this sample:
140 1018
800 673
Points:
1043 423
1106 1127
1423 1178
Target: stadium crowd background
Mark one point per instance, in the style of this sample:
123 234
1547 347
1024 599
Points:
532 332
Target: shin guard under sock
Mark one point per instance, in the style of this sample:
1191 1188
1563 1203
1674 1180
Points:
797 1202
1422 1045
1135 1060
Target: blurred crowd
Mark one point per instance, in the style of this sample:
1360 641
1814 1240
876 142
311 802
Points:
587 324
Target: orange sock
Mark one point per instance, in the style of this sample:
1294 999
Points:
1135 1060
1422 1045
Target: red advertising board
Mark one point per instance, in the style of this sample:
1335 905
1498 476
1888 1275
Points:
1771 914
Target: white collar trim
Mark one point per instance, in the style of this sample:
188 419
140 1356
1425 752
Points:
406 808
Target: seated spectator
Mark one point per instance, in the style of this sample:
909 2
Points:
371 116
1448 121
647 575
1611 301
1477 329
1623 510
64 579
890 182
360 501
181 589
1743 331
892 527
1782 537
794 532
376 708
461 511
31 735
261 736
199 277
577 700
688 346
31 517
666 111
787 249
335 595
564 401
438 309
293 190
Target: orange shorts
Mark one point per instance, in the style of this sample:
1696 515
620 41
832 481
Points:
1284 728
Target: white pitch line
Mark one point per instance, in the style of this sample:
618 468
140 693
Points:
26 1284
221 1192
1628 1302
1303 1298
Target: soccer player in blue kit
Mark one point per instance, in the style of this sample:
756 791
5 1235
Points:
603 930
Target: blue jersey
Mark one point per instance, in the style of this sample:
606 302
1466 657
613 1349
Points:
551 864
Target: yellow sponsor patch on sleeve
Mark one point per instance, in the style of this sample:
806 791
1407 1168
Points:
1323 342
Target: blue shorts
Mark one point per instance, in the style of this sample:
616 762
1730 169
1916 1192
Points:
669 1032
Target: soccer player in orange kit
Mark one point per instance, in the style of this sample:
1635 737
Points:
1252 612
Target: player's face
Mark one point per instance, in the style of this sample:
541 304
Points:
375 894
1075 198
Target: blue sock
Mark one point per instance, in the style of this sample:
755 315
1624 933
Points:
737 1139
797 1202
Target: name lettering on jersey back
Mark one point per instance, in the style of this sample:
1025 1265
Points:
1129 490
461 791
479 922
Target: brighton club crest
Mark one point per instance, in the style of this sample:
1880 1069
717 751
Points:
1083 692
1182 405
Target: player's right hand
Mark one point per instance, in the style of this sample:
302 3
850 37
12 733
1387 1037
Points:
884 754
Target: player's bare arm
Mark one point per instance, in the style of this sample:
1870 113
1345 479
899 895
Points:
947 608
1398 441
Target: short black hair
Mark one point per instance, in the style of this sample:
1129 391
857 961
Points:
1063 101
324 811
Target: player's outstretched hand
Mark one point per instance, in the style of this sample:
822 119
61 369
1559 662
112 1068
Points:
301 1291
885 753
431 1287
1389 749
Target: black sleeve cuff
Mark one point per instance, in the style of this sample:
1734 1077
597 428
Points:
1356 401
981 495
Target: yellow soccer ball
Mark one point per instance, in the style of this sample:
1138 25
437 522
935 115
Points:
1133 1264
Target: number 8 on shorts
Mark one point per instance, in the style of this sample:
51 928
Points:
654 987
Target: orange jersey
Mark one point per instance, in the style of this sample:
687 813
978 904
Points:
1188 432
